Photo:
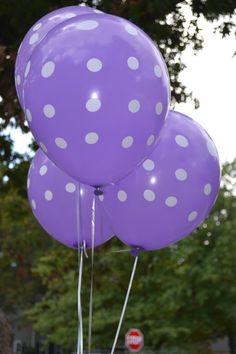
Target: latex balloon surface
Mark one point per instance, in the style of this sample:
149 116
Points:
62 206
171 193
35 35
96 96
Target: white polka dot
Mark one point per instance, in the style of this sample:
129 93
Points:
18 80
94 65
207 189
131 29
93 105
61 143
181 141
148 165
27 69
101 197
70 187
122 196
133 63
49 111
48 195
157 70
70 15
181 174
87 25
149 195
33 203
43 147
192 216
158 108
171 201
127 142
91 138
28 115
212 149
34 38
134 106
150 140
48 69
37 27
28 183
43 170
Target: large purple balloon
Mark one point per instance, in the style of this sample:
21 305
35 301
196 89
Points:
35 35
173 191
53 197
96 96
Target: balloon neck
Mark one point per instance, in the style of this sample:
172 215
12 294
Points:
98 191
135 251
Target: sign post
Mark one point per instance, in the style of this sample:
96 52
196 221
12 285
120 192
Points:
134 340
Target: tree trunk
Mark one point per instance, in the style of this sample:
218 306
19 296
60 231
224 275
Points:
232 342
6 334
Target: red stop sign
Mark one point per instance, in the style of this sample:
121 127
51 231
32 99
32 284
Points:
134 340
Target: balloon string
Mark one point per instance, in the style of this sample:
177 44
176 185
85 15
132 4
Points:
81 248
80 319
91 277
125 303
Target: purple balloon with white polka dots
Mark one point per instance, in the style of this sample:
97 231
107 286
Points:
63 207
35 35
171 193
96 96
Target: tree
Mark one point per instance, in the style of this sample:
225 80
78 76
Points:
183 297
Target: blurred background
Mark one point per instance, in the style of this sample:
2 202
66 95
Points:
184 296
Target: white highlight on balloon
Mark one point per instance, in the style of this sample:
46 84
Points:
94 65
28 183
131 30
70 187
133 63
150 140
48 195
93 105
134 106
27 69
181 174
87 25
148 165
70 15
171 201
212 149
61 143
91 138
207 189
43 147
192 216
101 197
48 69
18 80
149 195
49 111
122 196
181 141
157 71
158 108
33 203
43 170
37 26
127 142
28 115
34 38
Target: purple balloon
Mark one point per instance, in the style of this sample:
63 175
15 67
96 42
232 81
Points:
171 193
35 35
96 96
53 197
